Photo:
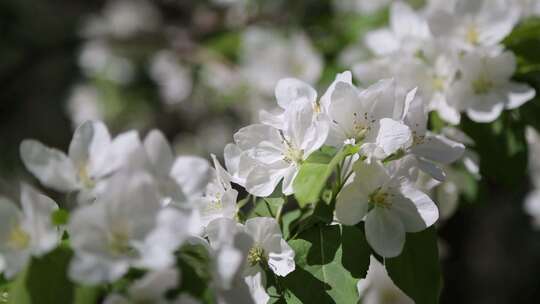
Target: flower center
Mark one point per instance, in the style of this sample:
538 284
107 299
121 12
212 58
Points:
292 155
482 85
119 242
213 205
18 239
438 83
380 199
472 35
255 256
360 127
84 177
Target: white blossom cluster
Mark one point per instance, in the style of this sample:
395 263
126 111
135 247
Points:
136 205
451 51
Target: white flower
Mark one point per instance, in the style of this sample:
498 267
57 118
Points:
149 289
484 88
278 56
264 247
369 118
430 149
269 248
473 24
92 157
159 160
230 244
287 92
173 227
378 287
219 199
106 234
276 154
27 232
408 31
174 79
389 204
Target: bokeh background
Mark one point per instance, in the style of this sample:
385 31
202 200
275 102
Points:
199 70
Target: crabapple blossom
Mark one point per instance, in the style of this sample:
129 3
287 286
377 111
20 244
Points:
28 231
485 89
93 156
389 204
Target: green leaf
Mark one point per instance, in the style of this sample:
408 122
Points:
194 260
417 271
87 294
60 217
315 171
267 206
44 280
324 274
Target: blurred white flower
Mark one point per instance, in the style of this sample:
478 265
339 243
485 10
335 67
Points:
174 79
378 288
92 157
484 87
84 104
278 56
27 232
473 24
106 235
149 289
96 59
123 19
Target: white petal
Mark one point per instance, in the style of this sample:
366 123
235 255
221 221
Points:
439 148
159 152
385 232
93 270
90 138
116 155
256 283
276 120
486 109
352 204
393 136
280 255
431 169
262 180
425 206
37 209
192 173
408 213
345 77
382 42
289 90
262 228
380 97
519 94
52 167
370 176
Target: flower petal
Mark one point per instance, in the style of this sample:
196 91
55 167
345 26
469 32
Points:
352 204
52 167
385 232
